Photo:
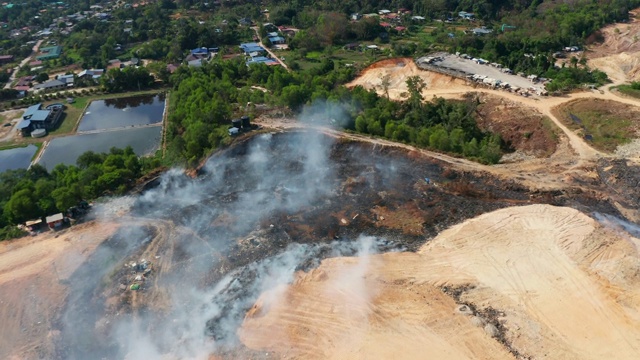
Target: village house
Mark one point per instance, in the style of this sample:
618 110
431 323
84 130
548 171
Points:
274 40
50 85
252 48
94 74
115 64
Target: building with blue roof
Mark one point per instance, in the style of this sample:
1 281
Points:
200 51
276 40
249 48
35 117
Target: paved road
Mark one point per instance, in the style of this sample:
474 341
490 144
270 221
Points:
255 28
22 63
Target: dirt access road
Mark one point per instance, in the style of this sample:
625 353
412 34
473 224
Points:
24 62
273 55
563 288
448 87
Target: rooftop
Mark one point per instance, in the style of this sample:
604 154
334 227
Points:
56 217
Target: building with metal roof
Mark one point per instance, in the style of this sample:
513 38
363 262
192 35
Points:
276 40
35 117
52 52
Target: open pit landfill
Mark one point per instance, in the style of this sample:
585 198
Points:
303 244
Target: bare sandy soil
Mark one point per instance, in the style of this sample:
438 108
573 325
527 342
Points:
9 116
564 288
399 70
32 285
618 54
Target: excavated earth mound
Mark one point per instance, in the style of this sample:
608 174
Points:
398 71
538 282
616 50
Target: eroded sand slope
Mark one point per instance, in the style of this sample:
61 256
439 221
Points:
556 284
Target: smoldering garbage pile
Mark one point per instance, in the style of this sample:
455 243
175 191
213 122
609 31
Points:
198 230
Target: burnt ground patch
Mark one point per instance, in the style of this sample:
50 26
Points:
266 197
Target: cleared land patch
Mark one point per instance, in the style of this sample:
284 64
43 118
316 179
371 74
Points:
606 124
399 70
614 49
523 128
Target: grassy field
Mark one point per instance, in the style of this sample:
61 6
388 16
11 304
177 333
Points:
610 123
629 91
12 146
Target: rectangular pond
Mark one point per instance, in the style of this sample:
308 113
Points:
66 150
17 158
123 112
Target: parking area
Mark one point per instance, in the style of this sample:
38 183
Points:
481 71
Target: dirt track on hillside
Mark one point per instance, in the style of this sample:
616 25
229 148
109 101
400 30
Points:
564 288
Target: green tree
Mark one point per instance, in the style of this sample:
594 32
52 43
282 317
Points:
21 207
42 77
65 198
415 85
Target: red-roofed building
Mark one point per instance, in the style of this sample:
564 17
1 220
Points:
385 24
400 28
